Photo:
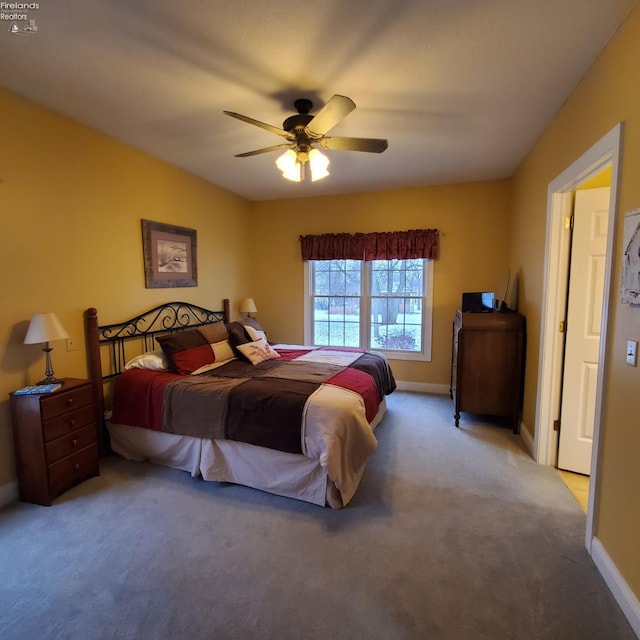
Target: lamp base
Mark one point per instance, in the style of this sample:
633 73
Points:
49 377
50 380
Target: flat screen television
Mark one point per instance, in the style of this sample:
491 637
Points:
477 302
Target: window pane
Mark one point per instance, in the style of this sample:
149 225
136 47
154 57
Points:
321 283
320 333
379 281
397 289
336 334
382 265
415 279
338 285
320 327
353 283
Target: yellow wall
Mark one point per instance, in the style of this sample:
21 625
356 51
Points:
473 219
71 201
609 93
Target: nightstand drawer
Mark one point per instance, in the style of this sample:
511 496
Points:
72 469
64 401
72 442
68 422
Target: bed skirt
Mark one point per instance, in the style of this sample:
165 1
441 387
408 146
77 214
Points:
285 474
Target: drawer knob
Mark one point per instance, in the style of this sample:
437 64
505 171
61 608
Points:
74 442
76 466
69 402
72 422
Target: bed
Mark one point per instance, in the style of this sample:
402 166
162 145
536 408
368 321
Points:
185 387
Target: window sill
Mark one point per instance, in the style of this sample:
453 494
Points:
405 355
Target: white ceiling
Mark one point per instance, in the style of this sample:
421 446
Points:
460 88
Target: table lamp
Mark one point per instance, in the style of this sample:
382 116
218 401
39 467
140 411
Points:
45 328
248 307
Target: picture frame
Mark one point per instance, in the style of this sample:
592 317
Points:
170 255
630 284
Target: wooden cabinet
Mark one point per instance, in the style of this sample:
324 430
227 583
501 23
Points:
487 365
55 439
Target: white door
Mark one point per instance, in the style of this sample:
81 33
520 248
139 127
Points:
584 317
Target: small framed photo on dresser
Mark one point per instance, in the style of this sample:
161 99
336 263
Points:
170 255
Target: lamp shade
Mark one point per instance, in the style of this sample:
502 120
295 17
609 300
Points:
45 327
290 166
319 163
248 306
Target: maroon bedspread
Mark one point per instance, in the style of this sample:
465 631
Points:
137 398
259 404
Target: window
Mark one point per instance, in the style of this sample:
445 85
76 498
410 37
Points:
378 304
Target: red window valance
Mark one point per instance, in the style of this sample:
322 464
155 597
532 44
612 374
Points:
385 245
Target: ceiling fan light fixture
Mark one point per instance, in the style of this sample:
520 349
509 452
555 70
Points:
290 166
318 163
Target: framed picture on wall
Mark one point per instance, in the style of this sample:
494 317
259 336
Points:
170 255
630 286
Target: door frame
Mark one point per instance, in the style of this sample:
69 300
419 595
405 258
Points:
607 151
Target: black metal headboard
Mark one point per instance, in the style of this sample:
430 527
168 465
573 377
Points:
167 318
171 317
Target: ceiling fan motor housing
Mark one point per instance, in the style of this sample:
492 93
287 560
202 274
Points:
299 121
296 126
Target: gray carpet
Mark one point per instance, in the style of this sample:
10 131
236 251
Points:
453 534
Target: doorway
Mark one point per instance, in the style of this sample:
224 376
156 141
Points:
582 331
605 153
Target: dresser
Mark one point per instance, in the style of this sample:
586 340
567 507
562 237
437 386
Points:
55 438
487 365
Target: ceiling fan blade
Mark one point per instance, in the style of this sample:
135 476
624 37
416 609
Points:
328 117
265 150
262 125
372 145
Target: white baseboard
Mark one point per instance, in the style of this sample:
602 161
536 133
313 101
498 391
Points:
8 493
527 438
422 387
621 591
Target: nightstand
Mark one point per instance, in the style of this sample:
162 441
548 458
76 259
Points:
55 438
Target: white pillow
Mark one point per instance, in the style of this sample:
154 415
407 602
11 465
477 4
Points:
255 334
152 360
258 351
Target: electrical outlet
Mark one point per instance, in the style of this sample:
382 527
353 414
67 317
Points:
71 344
632 353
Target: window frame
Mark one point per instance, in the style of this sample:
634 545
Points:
424 355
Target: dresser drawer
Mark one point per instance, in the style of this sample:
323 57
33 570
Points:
72 469
68 422
65 401
70 443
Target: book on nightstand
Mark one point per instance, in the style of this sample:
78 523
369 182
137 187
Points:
38 388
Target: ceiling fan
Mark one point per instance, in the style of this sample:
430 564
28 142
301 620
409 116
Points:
304 132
